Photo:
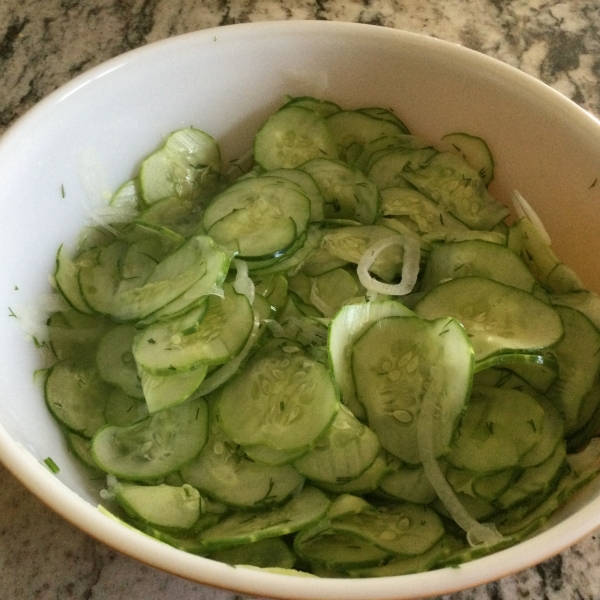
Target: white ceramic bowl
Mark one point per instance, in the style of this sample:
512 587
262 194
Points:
90 135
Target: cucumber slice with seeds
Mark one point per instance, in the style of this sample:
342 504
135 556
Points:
164 506
394 361
179 168
284 401
499 318
76 397
154 447
171 347
290 137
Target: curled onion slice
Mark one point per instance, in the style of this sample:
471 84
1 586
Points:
319 303
523 209
478 534
243 284
410 266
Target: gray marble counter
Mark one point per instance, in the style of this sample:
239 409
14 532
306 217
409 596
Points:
45 43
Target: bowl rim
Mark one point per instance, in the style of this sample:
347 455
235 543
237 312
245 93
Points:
38 479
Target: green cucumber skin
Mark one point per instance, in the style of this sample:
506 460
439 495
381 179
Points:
162 272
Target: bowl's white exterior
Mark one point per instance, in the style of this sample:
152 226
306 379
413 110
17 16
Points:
89 136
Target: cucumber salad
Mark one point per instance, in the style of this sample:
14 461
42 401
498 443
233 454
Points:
340 356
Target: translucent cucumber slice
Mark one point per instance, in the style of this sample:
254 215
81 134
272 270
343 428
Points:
256 236
476 257
553 429
385 114
387 167
292 136
425 216
128 197
535 480
180 216
346 327
268 456
258 212
578 355
164 391
388 142
498 428
105 291
115 362
309 187
79 446
347 192
403 528
416 564
451 182
393 364
155 447
498 318
164 506
409 483
368 481
123 410
282 400
76 397
74 336
223 472
338 550
474 150
346 451
350 243
302 510
267 553
66 276
169 347
179 168
350 127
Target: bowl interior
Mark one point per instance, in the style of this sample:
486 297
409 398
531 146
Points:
88 137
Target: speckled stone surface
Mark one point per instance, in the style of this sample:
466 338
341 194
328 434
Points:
45 43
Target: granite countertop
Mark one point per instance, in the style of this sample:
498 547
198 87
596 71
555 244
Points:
45 43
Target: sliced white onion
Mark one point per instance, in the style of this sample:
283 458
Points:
410 265
478 534
523 209
243 284
319 303
276 329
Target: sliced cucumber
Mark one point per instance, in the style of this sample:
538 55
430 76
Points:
393 363
155 447
347 192
181 344
499 318
165 391
346 451
284 401
476 257
499 427
245 527
459 189
187 158
223 472
76 397
290 137
578 355
347 326
474 150
162 505
115 361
